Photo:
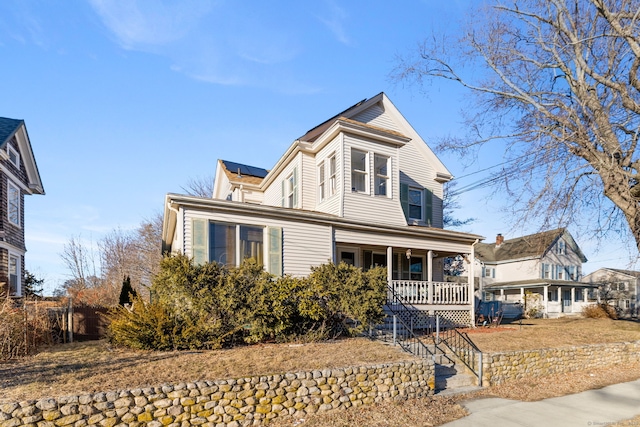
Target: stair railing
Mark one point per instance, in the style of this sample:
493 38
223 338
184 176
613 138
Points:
461 345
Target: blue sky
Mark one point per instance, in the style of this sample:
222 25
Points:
125 101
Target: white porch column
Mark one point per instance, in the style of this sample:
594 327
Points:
573 297
429 266
560 300
522 295
545 299
502 295
472 299
389 265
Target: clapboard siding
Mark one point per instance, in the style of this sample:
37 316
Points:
376 116
308 182
331 205
304 244
273 193
368 207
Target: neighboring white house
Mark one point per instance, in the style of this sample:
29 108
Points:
361 187
619 287
541 271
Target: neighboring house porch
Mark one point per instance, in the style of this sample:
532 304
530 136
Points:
538 298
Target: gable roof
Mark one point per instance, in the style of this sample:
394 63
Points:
530 246
631 273
15 127
8 128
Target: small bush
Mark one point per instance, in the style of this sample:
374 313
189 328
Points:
600 311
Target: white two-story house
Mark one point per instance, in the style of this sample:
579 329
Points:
620 288
541 271
361 188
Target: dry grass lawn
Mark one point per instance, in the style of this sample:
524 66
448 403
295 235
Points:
90 367
533 334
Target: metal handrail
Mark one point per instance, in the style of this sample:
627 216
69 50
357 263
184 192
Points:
462 346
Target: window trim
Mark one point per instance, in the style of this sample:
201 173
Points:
377 176
333 170
421 192
321 182
18 287
360 172
13 187
10 151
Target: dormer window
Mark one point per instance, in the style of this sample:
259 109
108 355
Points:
359 171
14 156
381 166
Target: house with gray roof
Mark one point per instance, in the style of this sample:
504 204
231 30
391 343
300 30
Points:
362 187
620 288
540 271
19 176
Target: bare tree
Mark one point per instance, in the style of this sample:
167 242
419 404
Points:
80 261
201 186
451 204
555 85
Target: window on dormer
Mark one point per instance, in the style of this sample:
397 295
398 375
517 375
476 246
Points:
13 203
561 248
14 156
321 181
359 171
381 169
332 175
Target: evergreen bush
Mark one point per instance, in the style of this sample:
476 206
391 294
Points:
212 306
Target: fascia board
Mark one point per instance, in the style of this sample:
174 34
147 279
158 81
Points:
178 200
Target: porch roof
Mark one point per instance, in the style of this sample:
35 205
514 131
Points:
537 283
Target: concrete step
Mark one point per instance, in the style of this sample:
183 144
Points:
454 377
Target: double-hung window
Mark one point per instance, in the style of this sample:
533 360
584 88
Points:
359 171
546 271
14 275
381 169
290 190
332 175
415 204
13 203
321 182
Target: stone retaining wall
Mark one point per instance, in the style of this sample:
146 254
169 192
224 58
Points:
500 367
237 402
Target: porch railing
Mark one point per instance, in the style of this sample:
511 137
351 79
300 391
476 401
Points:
421 292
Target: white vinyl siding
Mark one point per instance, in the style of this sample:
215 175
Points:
331 203
273 193
376 116
307 184
366 206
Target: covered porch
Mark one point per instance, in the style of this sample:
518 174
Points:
540 298
416 277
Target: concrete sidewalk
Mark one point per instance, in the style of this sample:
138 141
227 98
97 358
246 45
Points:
601 407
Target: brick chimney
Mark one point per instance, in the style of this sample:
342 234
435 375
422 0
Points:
499 239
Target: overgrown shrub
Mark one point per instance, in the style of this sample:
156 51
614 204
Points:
600 311
212 306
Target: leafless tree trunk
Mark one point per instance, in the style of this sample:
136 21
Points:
555 85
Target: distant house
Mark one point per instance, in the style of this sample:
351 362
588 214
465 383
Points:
620 288
541 271
361 187
19 176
